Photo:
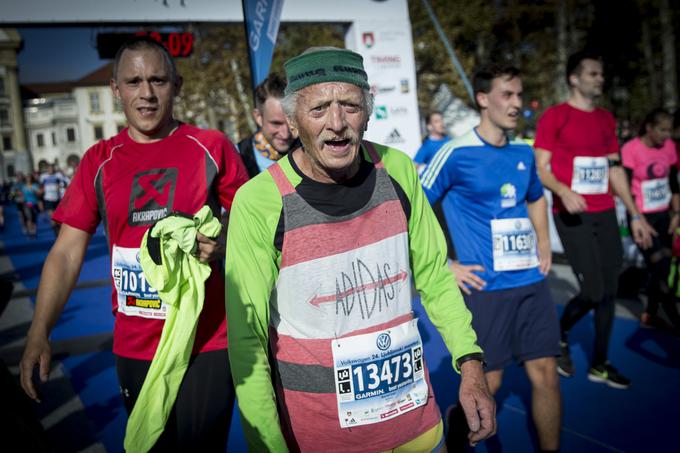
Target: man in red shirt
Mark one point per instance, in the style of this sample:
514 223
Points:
577 155
154 167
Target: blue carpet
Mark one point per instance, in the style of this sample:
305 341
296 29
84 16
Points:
596 417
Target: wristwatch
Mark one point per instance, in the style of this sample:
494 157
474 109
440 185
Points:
473 356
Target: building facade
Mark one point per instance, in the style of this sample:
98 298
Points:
52 130
100 115
14 156
64 119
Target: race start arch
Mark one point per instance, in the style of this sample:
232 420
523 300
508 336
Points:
380 30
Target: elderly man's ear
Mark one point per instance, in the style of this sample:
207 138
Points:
293 128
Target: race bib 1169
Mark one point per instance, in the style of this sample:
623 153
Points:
514 244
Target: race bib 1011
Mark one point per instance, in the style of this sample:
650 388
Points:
136 297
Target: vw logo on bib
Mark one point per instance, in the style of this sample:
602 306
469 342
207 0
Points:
383 341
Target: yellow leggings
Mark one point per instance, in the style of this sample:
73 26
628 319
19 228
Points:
431 441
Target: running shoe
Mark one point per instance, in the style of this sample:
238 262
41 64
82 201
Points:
607 374
648 321
565 367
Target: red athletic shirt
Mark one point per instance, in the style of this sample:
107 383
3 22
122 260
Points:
567 133
129 186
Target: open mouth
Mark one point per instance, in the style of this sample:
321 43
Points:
337 145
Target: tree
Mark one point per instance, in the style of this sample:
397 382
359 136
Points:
217 89
670 76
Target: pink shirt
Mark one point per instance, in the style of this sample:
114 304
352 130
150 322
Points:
650 167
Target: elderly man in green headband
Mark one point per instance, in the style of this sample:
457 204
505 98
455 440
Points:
321 251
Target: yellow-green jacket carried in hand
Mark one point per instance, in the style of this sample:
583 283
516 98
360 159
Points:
170 266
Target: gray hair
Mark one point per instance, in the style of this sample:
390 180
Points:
289 104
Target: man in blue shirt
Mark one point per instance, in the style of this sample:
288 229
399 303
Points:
435 139
493 202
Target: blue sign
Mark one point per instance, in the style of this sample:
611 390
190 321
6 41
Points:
262 19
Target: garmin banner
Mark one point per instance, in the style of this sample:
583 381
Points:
262 19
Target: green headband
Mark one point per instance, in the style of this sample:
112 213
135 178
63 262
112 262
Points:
333 65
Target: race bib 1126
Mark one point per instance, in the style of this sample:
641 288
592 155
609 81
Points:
591 175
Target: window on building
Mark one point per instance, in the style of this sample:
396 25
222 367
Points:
4 118
70 135
40 140
11 173
94 102
54 139
7 143
2 86
98 132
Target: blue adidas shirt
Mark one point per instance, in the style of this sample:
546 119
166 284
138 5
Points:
428 149
478 182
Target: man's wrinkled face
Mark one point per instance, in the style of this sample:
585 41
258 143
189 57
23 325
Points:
145 88
331 118
272 121
590 80
503 103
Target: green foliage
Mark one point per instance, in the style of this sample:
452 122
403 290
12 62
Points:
217 89
525 33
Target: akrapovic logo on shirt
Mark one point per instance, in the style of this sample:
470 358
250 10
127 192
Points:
151 197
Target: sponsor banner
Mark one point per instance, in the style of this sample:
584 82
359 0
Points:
385 61
262 19
388 112
387 49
